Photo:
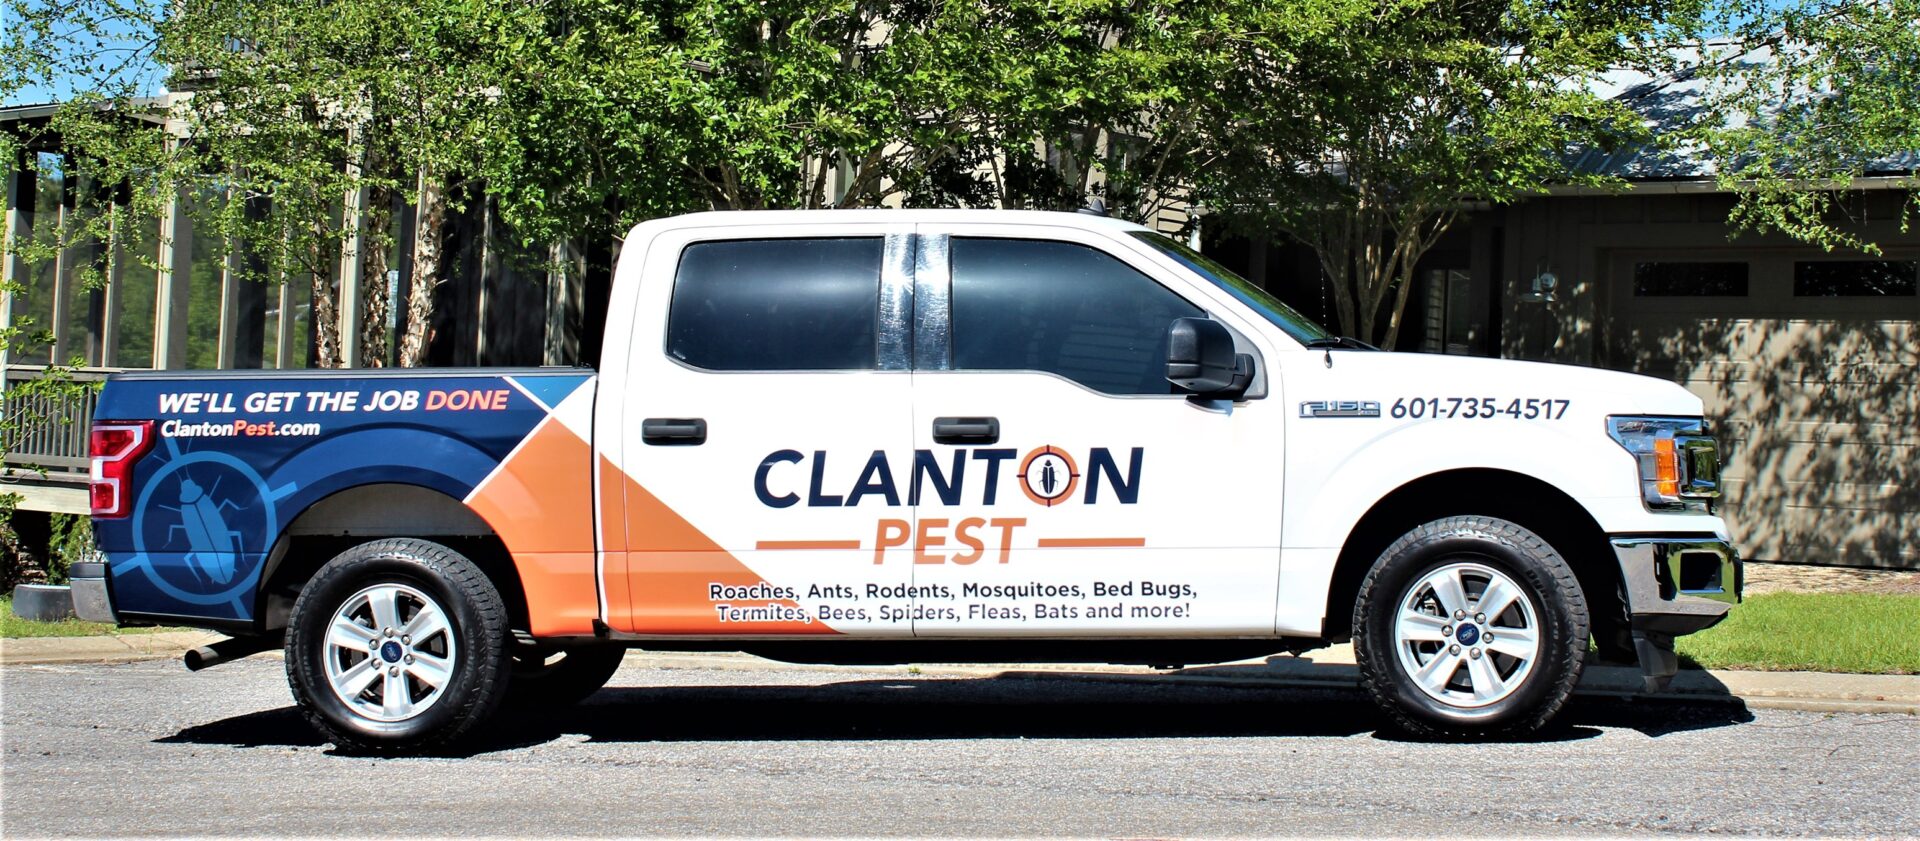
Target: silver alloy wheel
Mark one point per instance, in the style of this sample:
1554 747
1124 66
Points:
1467 635
389 652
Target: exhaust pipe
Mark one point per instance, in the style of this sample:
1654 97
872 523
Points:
234 648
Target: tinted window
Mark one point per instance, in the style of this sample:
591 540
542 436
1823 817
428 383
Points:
1062 308
1690 279
776 304
1824 278
1282 316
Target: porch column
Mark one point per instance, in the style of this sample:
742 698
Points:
19 199
171 285
284 322
64 259
352 309
112 302
226 350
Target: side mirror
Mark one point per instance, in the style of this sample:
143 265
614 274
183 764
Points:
1242 377
1200 357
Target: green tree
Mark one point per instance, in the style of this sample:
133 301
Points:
1363 128
1358 126
290 108
299 105
624 111
1804 98
581 117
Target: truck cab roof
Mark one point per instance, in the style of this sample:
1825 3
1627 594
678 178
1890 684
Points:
735 218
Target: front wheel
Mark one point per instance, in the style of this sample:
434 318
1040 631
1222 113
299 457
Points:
1470 626
397 645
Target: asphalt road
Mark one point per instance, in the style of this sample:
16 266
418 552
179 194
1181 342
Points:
150 749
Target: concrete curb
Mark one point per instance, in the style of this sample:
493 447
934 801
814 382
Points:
1329 668
112 648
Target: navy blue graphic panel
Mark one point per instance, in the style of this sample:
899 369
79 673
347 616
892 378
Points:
235 460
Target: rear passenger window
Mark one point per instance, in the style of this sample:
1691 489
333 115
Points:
1031 305
777 305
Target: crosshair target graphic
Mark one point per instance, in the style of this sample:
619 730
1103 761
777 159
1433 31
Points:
1048 476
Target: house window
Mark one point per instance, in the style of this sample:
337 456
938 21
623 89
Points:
204 275
33 302
139 284
1690 279
1449 322
1862 278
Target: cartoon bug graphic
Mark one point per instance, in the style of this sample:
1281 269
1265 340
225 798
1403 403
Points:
215 547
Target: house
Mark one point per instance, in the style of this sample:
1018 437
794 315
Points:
1808 360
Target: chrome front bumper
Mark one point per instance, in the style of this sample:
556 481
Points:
1674 586
90 599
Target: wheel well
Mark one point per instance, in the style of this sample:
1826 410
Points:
1529 502
356 515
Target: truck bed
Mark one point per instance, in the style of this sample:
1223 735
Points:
236 456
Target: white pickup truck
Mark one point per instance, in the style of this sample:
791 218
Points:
898 436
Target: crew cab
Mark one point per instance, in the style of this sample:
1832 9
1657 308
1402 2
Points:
895 436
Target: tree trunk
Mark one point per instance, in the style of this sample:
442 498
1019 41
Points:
373 278
1332 241
1368 253
1399 306
325 321
1418 231
431 218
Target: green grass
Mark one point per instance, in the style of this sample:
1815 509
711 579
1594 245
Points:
1856 633
12 626
1860 633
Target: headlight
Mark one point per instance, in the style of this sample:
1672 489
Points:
1679 462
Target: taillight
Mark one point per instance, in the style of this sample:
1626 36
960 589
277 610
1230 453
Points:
115 447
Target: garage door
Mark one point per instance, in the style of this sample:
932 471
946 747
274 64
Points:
1810 367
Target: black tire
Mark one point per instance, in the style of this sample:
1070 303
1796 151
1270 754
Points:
1450 704
471 642
549 677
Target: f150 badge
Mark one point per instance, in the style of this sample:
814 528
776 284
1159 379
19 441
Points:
1340 409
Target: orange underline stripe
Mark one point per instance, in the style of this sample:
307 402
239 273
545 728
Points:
770 545
1091 542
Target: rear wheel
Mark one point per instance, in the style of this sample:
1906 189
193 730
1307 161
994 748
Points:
1470 626
397 645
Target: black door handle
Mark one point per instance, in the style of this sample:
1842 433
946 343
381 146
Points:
966 430
674 431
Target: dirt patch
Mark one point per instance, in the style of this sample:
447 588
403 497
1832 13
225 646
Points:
1799 578
1906 585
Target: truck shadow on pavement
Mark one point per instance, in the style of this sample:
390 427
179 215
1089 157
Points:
964 708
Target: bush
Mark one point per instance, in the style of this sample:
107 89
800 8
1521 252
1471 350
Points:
72 542
17 565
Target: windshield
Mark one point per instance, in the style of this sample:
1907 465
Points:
1282 316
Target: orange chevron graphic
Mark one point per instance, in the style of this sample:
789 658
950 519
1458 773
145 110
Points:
539 507
670 563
